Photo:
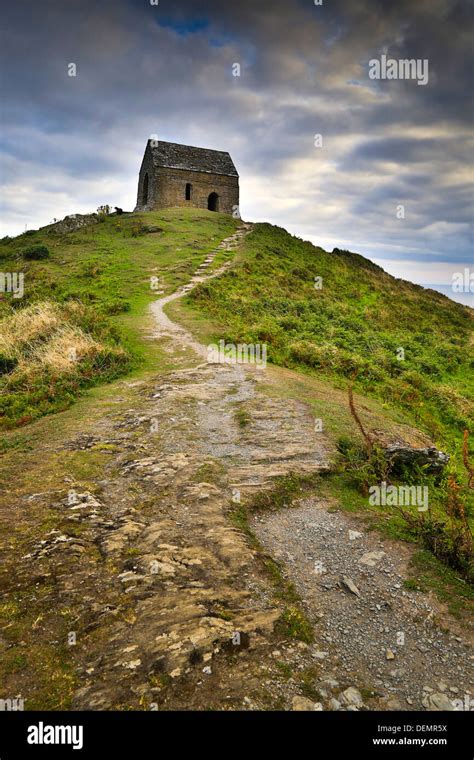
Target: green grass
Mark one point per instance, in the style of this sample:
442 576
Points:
285 491
209 472
108 269
353 325
50 664
242 416
294 624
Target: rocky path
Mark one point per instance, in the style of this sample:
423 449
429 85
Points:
191 580
371 629
171 330
173 606
376 632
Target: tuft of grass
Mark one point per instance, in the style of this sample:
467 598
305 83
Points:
285 669
285 490
242 417
209 472
295 625
412 585
307 678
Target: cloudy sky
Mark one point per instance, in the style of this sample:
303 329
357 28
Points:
69 144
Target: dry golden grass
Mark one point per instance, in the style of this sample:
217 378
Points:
48 353
40 337
65 348
20 331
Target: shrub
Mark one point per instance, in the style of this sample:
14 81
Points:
135 230
116 306
35 253
48 352
348 447
294 624
91 269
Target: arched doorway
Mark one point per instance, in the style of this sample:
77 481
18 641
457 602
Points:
145 190
213 202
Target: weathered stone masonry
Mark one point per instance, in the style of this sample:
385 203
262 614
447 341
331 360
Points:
181 175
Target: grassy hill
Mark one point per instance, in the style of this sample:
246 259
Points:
81 319
91 294
353 323
340 317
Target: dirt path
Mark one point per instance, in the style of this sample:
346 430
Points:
376 632
192 583
169 329
172 606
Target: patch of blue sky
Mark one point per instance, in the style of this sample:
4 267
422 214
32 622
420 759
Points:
184 27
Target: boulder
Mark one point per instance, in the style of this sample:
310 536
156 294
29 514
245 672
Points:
74 222
351 697
430 458
437 701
